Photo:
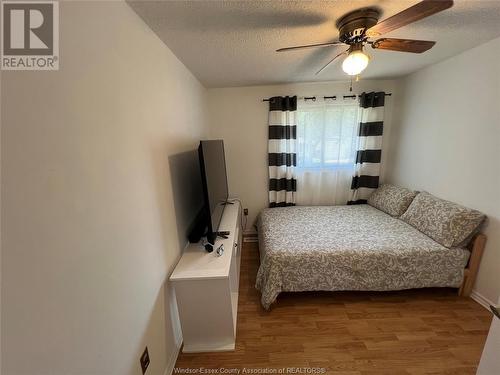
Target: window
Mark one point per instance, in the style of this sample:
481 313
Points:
326 135
326 151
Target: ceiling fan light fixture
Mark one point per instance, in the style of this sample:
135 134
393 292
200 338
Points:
355 62
358 26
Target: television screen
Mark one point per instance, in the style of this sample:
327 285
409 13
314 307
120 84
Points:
213 174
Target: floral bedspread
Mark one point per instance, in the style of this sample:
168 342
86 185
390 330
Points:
349 248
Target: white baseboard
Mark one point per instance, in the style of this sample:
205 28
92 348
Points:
479 298
171 362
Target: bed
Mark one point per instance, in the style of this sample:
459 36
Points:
357 247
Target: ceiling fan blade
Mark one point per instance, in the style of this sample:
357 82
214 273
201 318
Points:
332 60
336 43
412 14
403 45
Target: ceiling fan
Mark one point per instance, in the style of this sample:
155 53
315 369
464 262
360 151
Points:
357 27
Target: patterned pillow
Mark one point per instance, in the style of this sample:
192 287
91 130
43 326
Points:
391 199
445 222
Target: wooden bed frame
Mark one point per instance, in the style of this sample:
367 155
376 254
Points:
476 248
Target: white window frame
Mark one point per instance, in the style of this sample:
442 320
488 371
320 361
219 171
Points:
323 106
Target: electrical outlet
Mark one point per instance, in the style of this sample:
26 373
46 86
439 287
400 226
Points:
144 360
245 211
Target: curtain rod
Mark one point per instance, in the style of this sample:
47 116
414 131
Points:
354 96
334 97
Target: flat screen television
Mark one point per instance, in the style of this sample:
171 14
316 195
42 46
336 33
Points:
215 190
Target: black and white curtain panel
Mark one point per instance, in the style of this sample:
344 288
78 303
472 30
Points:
282 154
369 152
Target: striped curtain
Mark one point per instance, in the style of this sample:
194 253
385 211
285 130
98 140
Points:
371 127
282 156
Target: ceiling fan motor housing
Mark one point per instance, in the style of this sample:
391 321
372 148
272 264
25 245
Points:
352 27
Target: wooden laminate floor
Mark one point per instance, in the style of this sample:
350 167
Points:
428 331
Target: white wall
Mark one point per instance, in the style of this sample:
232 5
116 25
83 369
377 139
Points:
89 233
239 116
446 140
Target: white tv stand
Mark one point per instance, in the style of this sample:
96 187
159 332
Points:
206 288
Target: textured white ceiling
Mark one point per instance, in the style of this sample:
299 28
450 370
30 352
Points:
233 43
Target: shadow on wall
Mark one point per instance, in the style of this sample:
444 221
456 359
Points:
187 191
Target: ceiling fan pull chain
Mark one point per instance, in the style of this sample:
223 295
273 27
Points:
350 88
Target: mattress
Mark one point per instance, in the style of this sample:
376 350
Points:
353 247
